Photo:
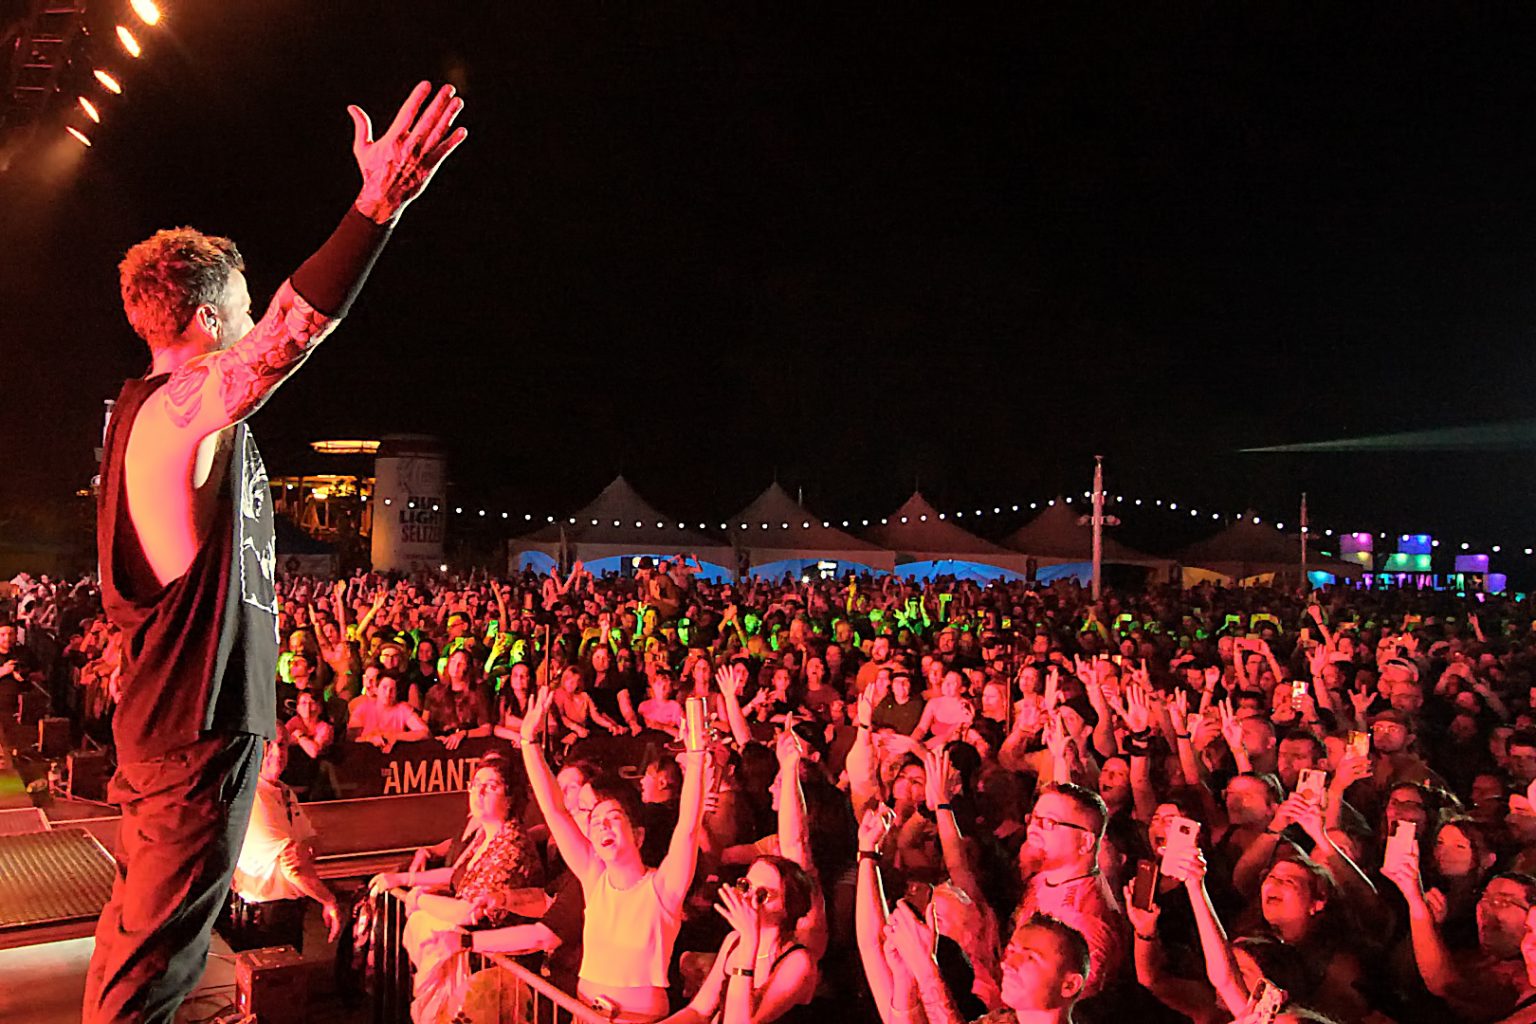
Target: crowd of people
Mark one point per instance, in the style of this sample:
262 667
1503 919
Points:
929 802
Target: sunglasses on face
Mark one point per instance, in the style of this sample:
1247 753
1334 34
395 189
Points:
756 895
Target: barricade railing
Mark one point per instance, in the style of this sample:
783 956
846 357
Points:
390 989
528 998
524 996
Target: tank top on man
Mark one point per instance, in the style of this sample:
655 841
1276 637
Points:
200 653
627 937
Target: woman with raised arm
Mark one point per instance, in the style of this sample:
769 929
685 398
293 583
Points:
633 911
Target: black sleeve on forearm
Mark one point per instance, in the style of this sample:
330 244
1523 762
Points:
331 278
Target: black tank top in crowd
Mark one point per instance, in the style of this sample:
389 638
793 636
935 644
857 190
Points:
200 654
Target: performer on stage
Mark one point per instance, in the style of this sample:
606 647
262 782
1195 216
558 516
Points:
186 554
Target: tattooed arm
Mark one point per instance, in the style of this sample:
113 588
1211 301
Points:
212 391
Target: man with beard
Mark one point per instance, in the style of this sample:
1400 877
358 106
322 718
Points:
1059 862
186 537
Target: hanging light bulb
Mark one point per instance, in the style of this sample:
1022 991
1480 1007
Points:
108 82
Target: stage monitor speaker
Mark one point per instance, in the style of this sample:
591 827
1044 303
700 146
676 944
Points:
88 774
272 985
32 707
53 737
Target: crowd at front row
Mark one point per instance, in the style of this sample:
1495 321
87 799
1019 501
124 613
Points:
936 803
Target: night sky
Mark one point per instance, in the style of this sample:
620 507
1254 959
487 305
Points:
704 244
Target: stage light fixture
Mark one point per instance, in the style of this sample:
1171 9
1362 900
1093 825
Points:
90 110
129 43
148 13
108 82
79 136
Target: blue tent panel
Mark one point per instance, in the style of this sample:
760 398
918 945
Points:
798 567
980 572
538 561
624 564
1080 571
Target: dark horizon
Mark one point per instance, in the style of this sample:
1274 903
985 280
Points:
708 248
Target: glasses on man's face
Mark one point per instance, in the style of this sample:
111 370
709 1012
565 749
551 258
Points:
1504 901
1049 824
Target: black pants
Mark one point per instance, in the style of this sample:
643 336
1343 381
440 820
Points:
184 821
258 925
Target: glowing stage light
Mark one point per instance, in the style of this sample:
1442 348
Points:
129 43
90 110
78 135
108 82
148 13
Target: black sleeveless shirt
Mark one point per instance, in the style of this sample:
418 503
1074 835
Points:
199 654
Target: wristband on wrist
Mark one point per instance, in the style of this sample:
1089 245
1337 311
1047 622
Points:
873 855
945 806
331 278
1147 938
741 972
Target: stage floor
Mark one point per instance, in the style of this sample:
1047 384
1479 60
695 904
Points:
45 983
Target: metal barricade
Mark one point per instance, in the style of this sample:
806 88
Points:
522 996
390 969
527 998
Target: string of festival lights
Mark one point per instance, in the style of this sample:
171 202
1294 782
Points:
1361 537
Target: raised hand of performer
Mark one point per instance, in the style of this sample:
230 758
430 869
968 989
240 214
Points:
398 165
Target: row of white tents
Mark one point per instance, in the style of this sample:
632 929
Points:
775 534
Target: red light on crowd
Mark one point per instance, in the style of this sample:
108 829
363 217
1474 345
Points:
129 43
108 83
90 110
78 134
148 13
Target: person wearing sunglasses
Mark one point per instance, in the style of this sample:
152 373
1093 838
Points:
762 973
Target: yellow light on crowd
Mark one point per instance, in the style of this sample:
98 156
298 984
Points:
129 43
78 135
148 13
90 110
108 83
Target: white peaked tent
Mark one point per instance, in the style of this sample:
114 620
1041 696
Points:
1055 538
927 545
618 524
795 537
1249 549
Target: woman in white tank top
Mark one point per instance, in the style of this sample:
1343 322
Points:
633 912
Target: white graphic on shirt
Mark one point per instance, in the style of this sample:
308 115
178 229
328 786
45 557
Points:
258 549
